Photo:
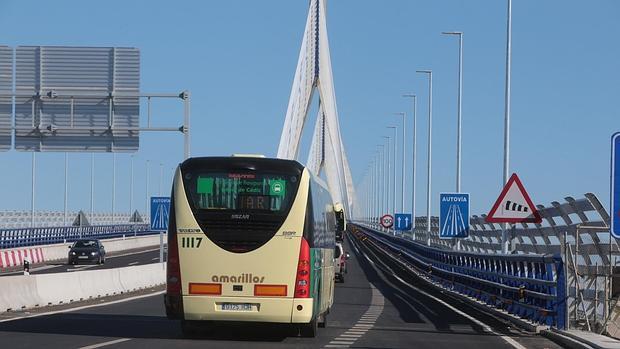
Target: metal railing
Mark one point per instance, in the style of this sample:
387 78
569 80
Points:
528 286
575 229
12 238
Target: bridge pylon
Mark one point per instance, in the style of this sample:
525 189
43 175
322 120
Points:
314 74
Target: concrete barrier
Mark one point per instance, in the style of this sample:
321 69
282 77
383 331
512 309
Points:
39 254
22 292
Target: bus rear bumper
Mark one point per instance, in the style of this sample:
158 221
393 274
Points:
276 310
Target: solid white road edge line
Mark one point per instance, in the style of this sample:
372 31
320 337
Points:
85 306
104 344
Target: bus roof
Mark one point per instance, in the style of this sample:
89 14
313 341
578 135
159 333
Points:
227 163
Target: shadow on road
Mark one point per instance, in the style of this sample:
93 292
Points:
137 326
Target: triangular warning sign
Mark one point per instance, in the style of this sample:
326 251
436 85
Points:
514 205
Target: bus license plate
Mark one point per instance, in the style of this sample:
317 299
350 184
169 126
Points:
237 306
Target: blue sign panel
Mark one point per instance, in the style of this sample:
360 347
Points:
614 212
160 212
402 221
453 215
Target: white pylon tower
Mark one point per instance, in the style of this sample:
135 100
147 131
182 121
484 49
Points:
314 73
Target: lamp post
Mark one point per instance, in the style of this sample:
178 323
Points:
92 188
32 185
414 99
505 240
369 191
388 178
403 165
131 189
429 152
380 183
113 186
458 122
146 191
64 219
161 176
395 148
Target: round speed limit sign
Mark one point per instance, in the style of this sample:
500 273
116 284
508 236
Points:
387 221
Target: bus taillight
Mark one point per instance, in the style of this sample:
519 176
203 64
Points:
173 298
302 282
173 269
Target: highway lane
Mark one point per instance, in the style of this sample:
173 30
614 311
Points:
417 314
372 309
113 260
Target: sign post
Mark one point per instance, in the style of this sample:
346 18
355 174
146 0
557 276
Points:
513 206
453 215
160 214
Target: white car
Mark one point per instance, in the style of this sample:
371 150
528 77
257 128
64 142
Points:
340 260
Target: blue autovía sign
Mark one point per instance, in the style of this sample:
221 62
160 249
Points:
402 221
160 213
614 212
453 215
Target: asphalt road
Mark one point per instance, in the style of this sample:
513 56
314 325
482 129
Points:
113 260
374 308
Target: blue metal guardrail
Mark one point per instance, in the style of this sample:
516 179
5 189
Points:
529 286
11 238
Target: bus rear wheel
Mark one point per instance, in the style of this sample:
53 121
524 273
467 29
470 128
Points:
323 321
310 329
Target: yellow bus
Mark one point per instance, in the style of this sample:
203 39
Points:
250 239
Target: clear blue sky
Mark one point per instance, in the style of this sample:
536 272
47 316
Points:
238 58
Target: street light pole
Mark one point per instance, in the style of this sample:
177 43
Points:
131 189
381 185
403 165
369 193
92 188
374 193
113 187
413 159
32 193
429 151
161 175
505 240
395 148
146 191
458 122
64 220
389 175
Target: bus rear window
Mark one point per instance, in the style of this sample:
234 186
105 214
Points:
242 192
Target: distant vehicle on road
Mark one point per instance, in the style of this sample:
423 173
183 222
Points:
86 250
341 224
340 258
250 239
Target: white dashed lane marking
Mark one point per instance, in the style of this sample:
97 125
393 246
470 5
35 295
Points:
365 323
